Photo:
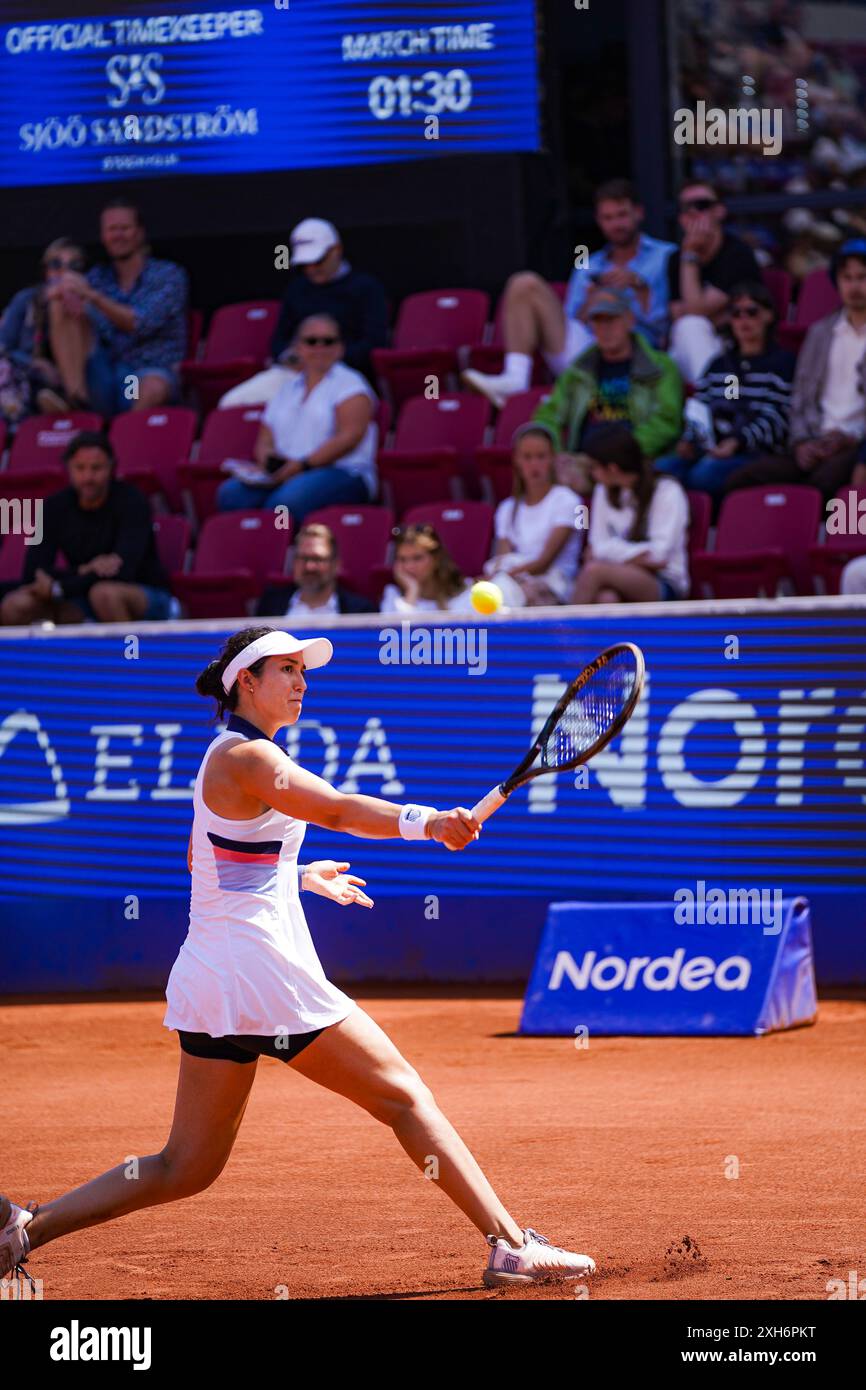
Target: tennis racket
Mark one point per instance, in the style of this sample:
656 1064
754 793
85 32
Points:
584 720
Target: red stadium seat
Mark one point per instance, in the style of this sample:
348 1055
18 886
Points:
433 447
363 535
12 552
493 462
700 517
237 345
41 439
33 482
235 552
173 538
840 545
466 530
150 446
781 286
431 328
764 535
227 434
818 297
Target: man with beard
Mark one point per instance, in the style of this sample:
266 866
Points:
630 262
136 307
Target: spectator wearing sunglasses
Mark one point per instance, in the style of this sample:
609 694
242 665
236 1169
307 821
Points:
43 375
741 407
827 436
701 275
317 441
426 579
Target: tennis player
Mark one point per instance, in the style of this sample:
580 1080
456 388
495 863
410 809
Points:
248 982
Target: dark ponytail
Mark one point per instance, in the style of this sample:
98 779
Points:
616 444
209 682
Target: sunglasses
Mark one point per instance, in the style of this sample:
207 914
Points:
698 204
319 342
746 311
58 263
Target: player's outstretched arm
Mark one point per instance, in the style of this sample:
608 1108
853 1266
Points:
267 773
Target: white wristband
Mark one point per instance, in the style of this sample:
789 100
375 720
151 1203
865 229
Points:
413 821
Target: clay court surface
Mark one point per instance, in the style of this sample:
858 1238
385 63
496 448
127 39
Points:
618 1150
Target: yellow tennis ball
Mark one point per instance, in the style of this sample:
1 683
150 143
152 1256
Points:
486 598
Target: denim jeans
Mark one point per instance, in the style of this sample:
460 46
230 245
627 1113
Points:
306 492
706 474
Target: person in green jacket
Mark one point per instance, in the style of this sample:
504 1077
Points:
621 378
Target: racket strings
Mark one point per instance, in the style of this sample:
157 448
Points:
591 712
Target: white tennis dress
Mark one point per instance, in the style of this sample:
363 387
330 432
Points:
248 964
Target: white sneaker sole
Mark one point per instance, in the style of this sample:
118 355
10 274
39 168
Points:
492 1277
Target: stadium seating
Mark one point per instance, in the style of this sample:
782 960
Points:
829 559
434 443
41 439
818 297
237 344
764 535
363 535
493 461
700 517
466 530
781 286
12 552
431 327
227 434
173 539
150 446
489 356
235 553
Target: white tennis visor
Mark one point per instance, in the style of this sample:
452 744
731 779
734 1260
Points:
317 652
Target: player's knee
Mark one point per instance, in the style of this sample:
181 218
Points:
402 1091
187 1174
103 598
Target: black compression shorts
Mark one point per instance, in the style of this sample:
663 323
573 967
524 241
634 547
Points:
247 1047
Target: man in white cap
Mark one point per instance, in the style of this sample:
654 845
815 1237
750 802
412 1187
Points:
321 281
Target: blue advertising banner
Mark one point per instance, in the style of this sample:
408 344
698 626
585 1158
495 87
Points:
743 767
722 962
210 88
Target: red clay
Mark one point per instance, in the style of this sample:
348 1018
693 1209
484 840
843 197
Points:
618 1150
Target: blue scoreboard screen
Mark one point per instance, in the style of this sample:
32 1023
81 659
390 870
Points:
207 88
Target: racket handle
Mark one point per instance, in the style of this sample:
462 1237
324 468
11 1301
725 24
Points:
488 804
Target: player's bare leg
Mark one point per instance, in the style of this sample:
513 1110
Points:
211 1099
357 1059
532 320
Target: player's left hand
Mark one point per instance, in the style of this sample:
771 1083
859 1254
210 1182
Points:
329 879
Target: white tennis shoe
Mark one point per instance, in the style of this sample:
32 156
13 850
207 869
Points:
534 1262
14 1245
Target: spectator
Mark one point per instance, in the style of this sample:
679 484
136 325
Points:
637 530
315 589
620 378
701 275
104 529
316 438
53 380
537 541
137 308
723 434
630 261
321 281
828 413
426 578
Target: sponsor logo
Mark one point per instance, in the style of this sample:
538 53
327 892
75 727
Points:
659 973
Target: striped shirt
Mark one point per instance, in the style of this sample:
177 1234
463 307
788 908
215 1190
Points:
750 398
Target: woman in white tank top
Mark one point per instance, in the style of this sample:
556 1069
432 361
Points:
247 980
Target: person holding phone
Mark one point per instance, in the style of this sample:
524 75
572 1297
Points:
317 443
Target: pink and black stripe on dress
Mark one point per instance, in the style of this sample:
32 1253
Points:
246 866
